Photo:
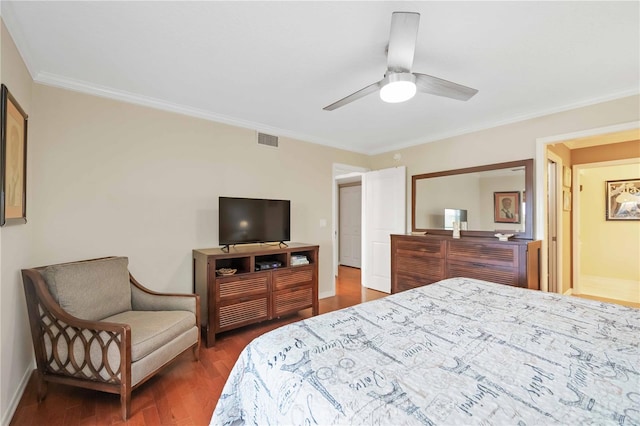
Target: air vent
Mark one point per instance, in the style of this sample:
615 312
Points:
268 140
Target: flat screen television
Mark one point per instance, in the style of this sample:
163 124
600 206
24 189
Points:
253 220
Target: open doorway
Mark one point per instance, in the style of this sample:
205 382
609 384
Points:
350 223
343 174
383 205
607 248
568 249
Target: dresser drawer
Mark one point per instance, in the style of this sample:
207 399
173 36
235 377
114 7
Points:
292 277
242 285
420 265
424 247
483 253
486 272
407 281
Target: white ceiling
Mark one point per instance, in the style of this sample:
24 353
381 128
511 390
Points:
273 66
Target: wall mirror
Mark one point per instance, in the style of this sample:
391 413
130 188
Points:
490 199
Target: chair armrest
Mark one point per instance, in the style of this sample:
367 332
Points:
143 299
62 341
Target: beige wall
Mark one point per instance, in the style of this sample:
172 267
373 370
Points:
608 248
510 142
115 178
16 248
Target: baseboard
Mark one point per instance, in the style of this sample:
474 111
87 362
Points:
326 294
568 292
610 288
13 406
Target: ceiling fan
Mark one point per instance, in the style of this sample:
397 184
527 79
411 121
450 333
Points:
399 83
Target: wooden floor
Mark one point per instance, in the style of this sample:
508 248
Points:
186 392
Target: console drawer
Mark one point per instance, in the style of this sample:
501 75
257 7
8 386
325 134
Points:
242 285
241 312
292 300
294 276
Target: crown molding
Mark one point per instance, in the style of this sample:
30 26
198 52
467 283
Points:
515 119
80 86
110 93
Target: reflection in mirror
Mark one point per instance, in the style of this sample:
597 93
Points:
476 197
471 193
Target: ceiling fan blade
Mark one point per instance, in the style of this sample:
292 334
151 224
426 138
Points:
402 41
354 96
440 87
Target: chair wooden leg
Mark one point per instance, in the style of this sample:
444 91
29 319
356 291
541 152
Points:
41 386
196 352
125 404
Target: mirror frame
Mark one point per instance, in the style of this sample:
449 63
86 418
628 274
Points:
528 187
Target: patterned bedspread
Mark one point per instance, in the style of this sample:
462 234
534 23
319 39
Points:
457 352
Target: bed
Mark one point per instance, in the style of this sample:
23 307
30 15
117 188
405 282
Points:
456 352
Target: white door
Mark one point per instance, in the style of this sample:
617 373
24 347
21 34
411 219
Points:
350 224
384 213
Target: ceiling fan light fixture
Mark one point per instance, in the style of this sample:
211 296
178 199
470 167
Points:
398 87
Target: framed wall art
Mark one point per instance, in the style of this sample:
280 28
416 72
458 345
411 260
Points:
506 207
623 199
566 200
13 160
566 176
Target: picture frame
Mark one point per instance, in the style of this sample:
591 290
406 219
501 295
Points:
566 176
566 200
13 160
623 199
506 207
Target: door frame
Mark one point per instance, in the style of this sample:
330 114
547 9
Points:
541 189
340 172
551 156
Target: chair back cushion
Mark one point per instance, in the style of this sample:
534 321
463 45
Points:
93 289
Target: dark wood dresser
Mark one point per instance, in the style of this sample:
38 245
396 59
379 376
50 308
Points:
417 260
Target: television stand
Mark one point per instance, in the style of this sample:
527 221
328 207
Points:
249 296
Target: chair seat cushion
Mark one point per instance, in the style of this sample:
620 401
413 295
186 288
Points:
151 330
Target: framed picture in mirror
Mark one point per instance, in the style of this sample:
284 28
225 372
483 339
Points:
506 207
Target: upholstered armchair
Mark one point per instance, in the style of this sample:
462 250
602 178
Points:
93 325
